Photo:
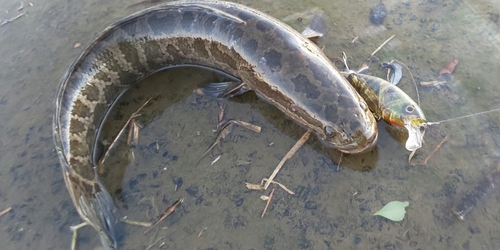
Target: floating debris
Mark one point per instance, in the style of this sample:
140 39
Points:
165 214
450 67
382 45
100 163
223 132
394 71
394 210
432 83
261 186
5 211
4 22
430 155
267 204
288 155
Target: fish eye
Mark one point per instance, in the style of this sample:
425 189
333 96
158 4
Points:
329 131
410 108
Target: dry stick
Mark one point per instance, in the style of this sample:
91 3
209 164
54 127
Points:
436 149
288 155
413 79
267 204
382 45
433 151
340 161
247 125
5 211
103 158
154 243
165 214
12 19
279 184
201 232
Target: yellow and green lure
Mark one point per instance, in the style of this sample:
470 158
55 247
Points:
391 104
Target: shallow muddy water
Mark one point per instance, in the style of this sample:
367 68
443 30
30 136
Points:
333 205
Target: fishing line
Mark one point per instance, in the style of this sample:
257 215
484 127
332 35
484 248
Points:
464 116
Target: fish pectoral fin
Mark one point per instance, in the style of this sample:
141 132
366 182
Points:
224 89
316 29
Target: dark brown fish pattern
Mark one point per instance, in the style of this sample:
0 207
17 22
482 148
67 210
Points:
269 57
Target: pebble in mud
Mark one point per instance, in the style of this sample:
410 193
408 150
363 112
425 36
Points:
378 14
311 205
397 21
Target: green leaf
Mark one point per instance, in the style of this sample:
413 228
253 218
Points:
394 210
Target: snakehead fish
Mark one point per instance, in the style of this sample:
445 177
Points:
269 57
391 104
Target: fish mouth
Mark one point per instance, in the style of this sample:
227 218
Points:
364 143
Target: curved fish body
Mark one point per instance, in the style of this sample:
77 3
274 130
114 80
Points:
391 104
268 56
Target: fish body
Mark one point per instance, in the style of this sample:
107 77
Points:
269 57
391 104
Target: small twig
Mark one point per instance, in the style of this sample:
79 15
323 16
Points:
247 125
100 166
154 243
137 223
165 214
355 39
433 151
279 184
5 211
436 149
215 160
267 204
383 44
12 19
203 230
288 155
340 161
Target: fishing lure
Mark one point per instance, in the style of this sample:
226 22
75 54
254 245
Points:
391 104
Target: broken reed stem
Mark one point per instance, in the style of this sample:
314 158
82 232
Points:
100 167
280 185
5 211
267 204
4 22
247 125
154 243
382 45
288 155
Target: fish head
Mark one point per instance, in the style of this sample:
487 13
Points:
406 113
353 131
